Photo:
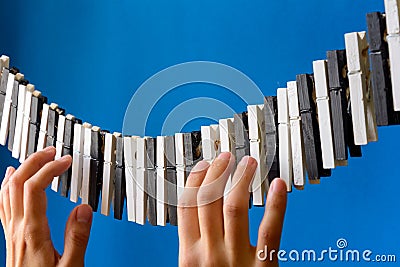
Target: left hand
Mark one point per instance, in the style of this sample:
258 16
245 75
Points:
23 206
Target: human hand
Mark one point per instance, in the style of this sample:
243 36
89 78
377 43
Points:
214 231
23 206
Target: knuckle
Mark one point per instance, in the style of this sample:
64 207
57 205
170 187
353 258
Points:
29 230
184 211
210 192
77 238
190 260
217 163
6 179
184 262
267 235
187 261
212 261
184 202
205 253
204 196
193 178
30 187
12 237
248 173
34 236
264 234
15 237
188 199
6 190
277 204
233 210
11 228
35 159
14 183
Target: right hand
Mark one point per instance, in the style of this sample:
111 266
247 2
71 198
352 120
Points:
214 231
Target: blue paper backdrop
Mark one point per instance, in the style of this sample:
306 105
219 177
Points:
90 56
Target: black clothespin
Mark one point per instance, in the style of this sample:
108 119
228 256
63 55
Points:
34 122
381 82
197 152
242 143
343 135
272 138
120 179
67 149
52 124
151 152
312 142
171 178
96 166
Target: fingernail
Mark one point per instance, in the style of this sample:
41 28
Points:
84 214
224 156
201 166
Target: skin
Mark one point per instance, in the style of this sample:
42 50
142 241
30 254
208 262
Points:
215 232
212 231
23 206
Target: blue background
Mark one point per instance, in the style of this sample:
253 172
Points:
90 56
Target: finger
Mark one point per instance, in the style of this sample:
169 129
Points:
5 210
188 226
236 206
35 162
210 198
9 171
77 234
16 183
34 189
269 233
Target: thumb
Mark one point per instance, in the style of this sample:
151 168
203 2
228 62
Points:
76 237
